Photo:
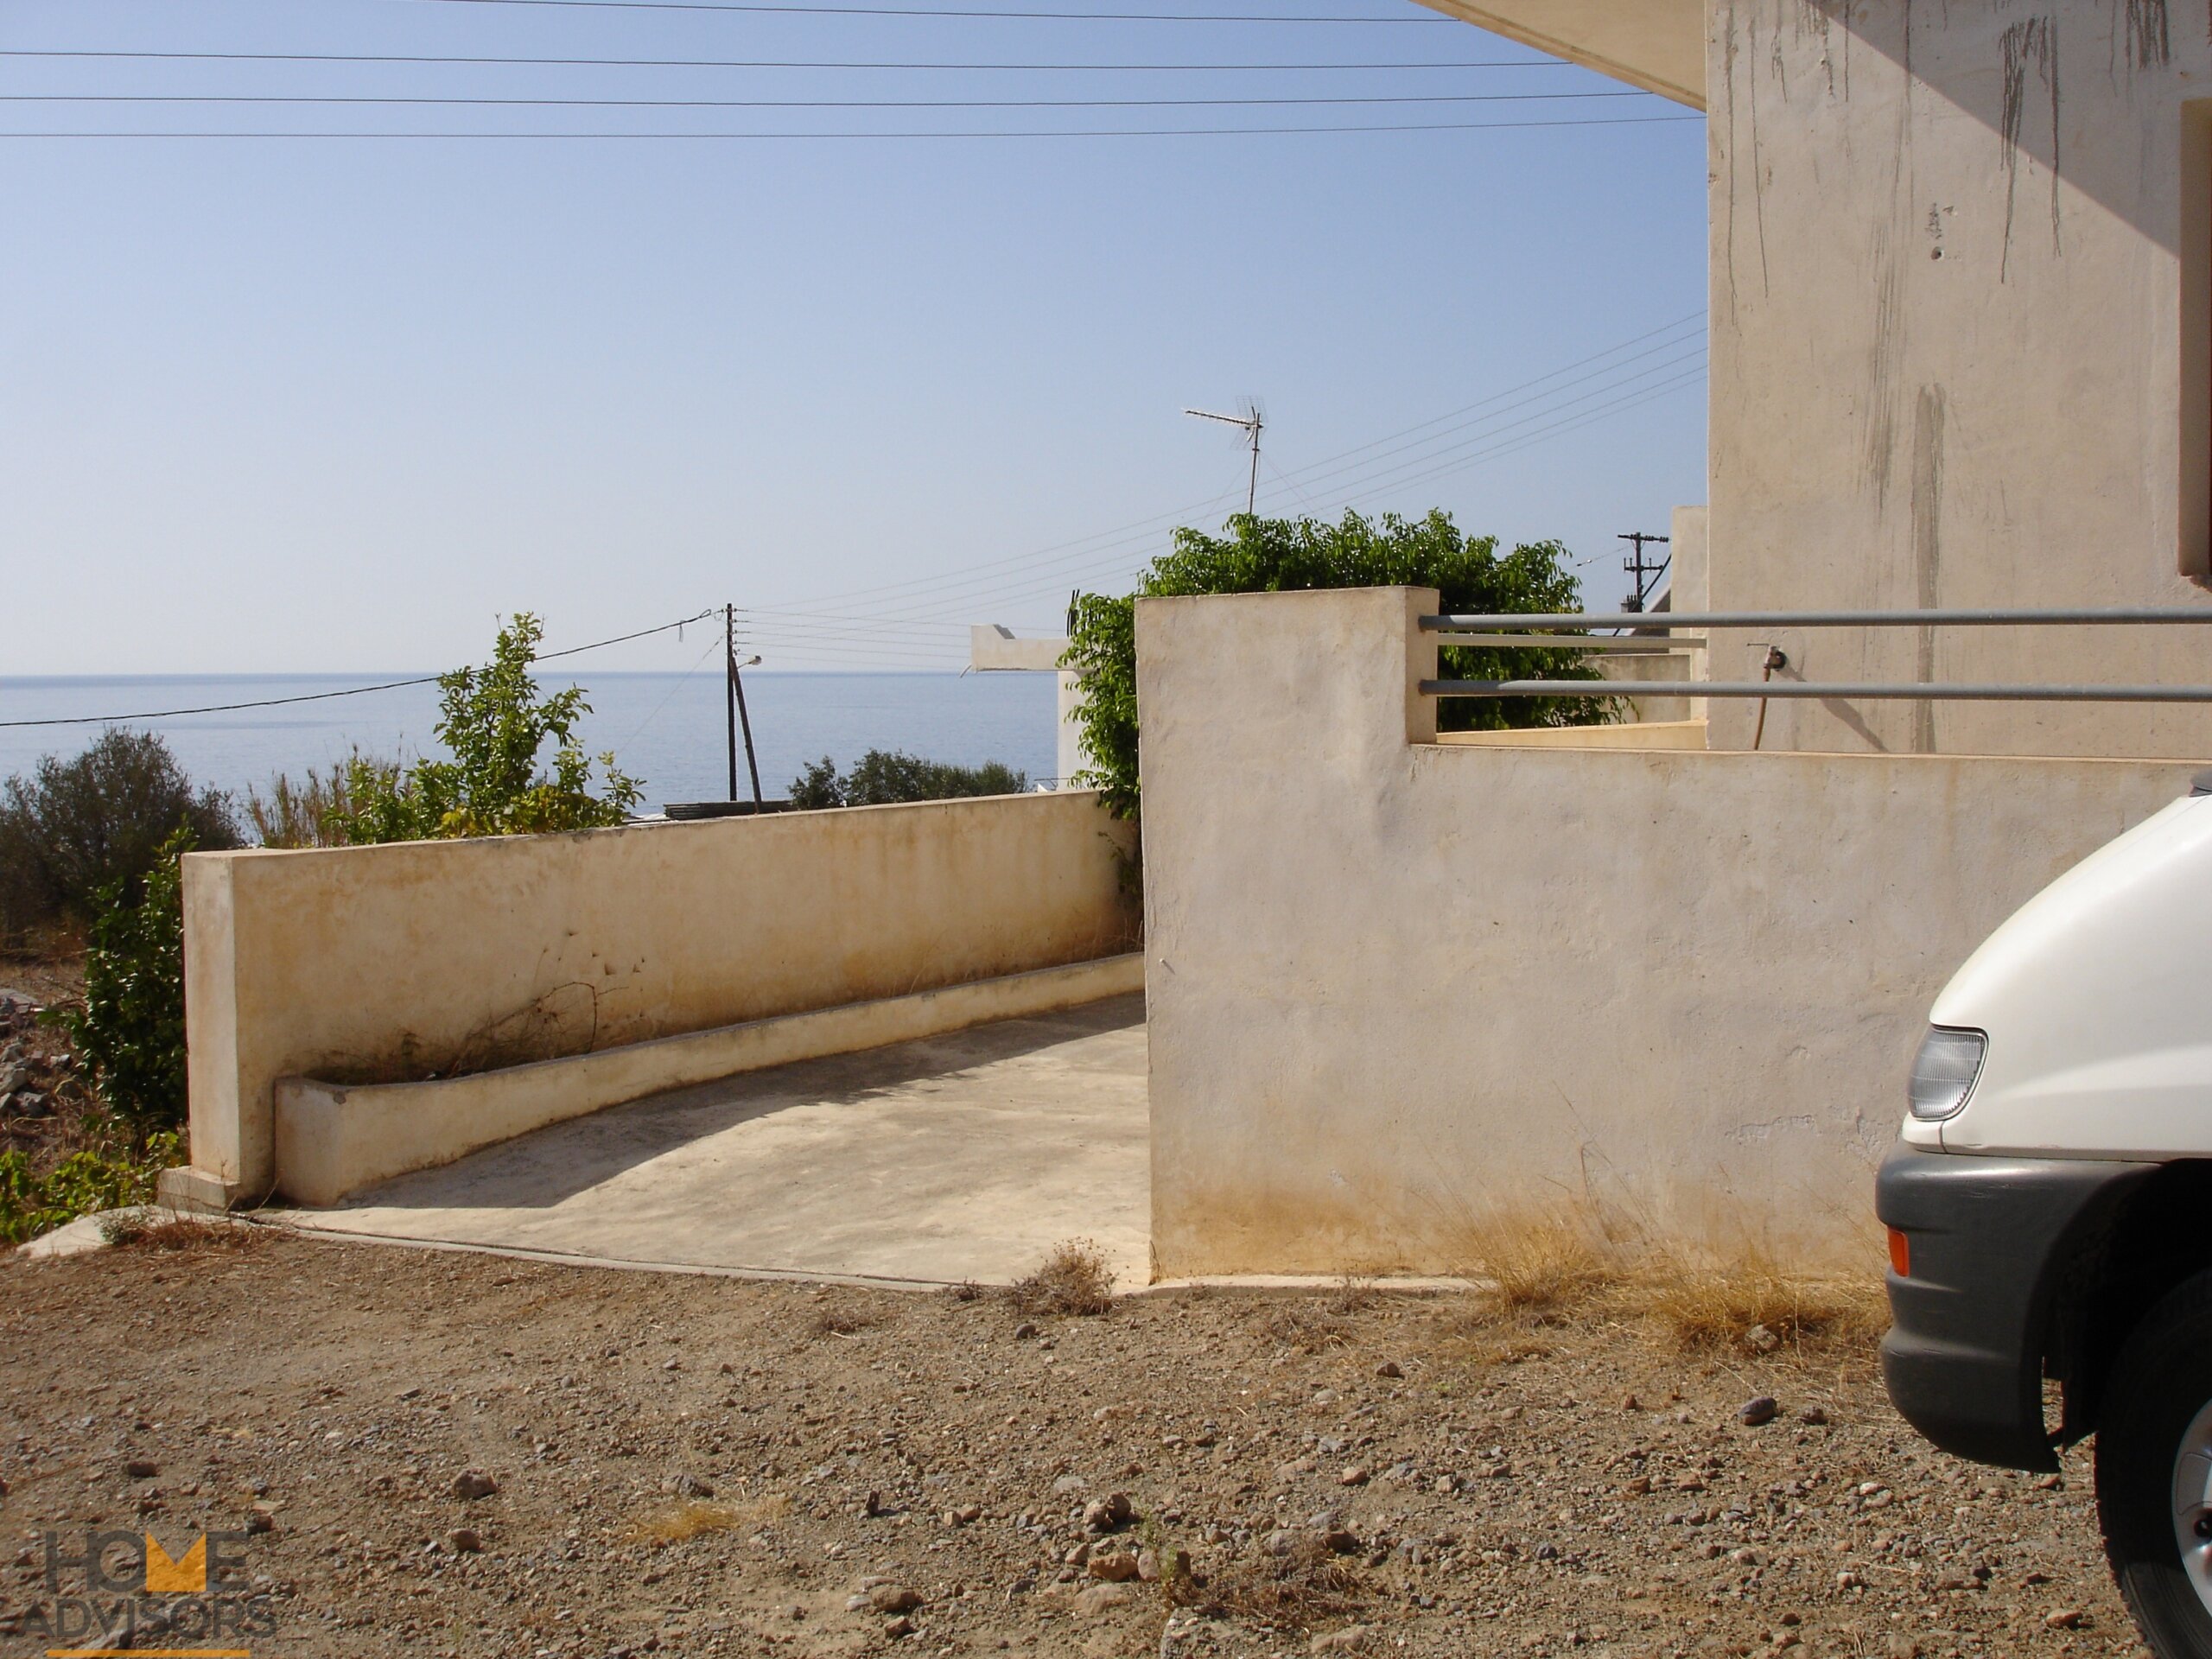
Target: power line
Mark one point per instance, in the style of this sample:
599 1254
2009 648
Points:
798 103
349 691
764 6
772 63
987 133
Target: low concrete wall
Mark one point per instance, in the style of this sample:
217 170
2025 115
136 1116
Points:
332 1140
1394 983
1630 734
378 964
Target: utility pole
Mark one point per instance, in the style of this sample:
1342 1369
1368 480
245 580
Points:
734 697
730 689
1635 567
1251 423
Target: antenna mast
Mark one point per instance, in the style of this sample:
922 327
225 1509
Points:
1251 423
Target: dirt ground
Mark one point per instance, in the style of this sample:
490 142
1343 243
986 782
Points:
706 1467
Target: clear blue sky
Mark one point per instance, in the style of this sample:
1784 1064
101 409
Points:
284 405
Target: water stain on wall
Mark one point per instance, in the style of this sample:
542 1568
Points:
2031 45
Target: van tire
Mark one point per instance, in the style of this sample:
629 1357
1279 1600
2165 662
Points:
2161 1384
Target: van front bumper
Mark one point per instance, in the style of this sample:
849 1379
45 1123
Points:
1991 1241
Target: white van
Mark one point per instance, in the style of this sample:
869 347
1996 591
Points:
2050 1207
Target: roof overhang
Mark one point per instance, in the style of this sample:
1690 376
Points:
1658 45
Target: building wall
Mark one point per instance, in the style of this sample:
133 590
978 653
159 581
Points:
1394 982
1960 354
377 965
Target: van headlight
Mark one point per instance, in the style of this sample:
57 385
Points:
1943 1072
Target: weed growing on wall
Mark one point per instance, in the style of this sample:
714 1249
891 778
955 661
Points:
1261 555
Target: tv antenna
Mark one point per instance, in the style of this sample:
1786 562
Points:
1251 423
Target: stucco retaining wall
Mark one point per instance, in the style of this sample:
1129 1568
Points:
384 964
1394 983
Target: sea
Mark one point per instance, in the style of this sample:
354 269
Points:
667 730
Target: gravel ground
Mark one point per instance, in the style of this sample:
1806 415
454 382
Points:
698 1465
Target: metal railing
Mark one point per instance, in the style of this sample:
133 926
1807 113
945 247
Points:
1510 632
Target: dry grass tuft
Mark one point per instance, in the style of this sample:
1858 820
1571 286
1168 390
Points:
846 1321
1295 1592
1305 1326
1540 1265
1075 1280
1721 1306
1572 1264
693 1517
181 1233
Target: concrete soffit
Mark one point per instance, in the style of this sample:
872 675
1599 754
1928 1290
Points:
1658 45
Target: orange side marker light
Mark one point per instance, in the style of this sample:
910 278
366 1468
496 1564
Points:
1900 1255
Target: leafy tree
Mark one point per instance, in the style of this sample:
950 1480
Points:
493 721
75 828
1257 556
128 1031
884 778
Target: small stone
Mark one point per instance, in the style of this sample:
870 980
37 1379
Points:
1069 1485
1446 1485
1351 1639
1631 1404
1340 1540
1116 1569
967 1515
1689 1483
1761 1340
2049 1482
1901 1646
473 1483
1848 1580
260 1520
899 1627
1102 1598
1389 1368
856 1603
1080 1556
1812 1417
894 1598
1639 1487
1752 1413
1355 1476
463 1541
1107 1514
1547 1552
2065 1618
142 1469
1281 1541
686 1486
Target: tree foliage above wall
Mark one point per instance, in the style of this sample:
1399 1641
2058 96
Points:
1260 556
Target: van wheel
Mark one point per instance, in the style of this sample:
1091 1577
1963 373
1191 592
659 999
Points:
2154 1473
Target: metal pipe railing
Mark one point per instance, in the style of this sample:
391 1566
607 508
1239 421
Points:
1894 692
1972 618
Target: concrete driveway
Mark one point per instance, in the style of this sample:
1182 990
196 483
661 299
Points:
960 1157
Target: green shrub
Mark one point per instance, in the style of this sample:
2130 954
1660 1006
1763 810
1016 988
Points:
129 1030
106 1177
76 828
494 721
885 777
1258 555
318 811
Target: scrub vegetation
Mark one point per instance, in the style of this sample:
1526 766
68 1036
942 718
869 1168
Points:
1266 555
889 777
